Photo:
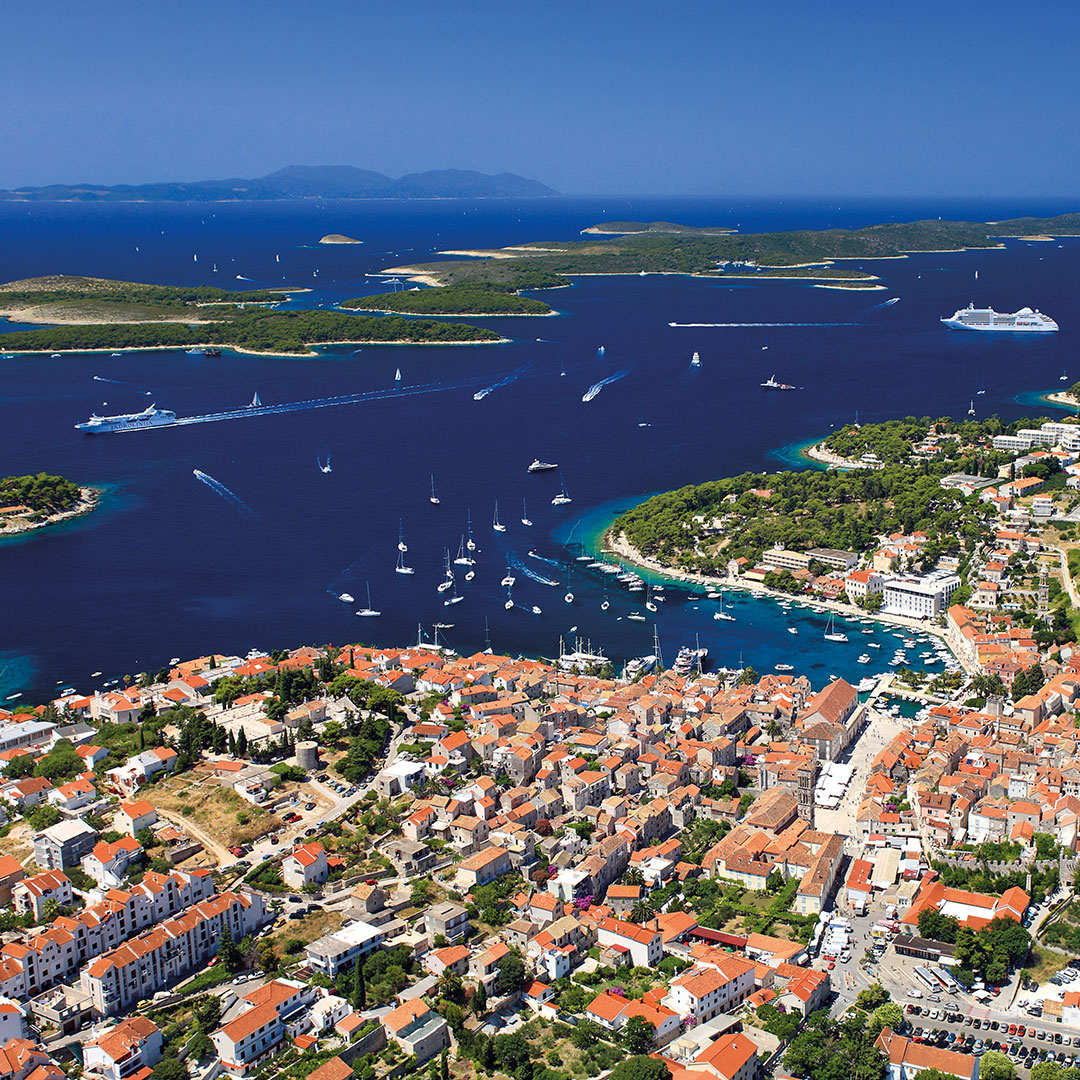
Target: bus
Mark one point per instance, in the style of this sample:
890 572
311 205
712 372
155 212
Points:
947 981
927 979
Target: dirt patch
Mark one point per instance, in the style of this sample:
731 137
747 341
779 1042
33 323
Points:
217 810
19 843
307 929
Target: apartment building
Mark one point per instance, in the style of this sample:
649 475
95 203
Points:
706 990
63 844
643 947
129 1048
33 893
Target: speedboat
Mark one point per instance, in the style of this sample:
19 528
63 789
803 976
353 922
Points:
347 598
541 466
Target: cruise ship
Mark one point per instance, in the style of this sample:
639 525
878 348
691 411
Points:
1025 320
149 417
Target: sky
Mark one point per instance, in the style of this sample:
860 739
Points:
742 97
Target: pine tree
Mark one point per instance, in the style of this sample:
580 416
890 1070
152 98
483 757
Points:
241 744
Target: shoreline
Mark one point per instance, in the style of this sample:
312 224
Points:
817 452
239 350
1061 397
851 288
621 546
461 314
89 500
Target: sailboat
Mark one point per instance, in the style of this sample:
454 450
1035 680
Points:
601 351
569 597
455 599
255 403
397 377
401 568
833 635
496 524
487 637
470 543
463 559
606 603
1064 376
722 615
524 514
971 408
695 360
649 605
509 579
444 585
562 498
368 612
509 599
434 500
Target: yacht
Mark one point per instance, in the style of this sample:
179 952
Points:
771 384
695 360
434 499
509 579
562 498
785 667
347 598
463 559
834 635
636 616
497 525
368 612
524 515
792 630
1025 320
541 466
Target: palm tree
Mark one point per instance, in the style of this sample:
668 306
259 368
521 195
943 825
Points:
642 911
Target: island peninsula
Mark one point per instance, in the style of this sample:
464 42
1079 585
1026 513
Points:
35 502
95 313
667 248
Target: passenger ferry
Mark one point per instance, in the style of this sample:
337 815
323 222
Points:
1025 320
149 417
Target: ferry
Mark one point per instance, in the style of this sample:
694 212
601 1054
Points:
1025 320
771 384
541 466
785 667
151 416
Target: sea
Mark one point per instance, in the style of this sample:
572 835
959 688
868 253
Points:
226 537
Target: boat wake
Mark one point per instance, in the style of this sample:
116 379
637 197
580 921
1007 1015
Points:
531 574
223 491
120 382
597 387
737 324
481 394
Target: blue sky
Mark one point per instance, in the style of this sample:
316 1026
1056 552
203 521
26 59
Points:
730 96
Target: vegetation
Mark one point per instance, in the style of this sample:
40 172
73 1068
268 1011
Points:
831 1050
275 332
664 248
992 951
702 526
43 493
482 298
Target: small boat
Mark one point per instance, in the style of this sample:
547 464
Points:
695 360
174 660
255 403
470 543
535 610
636 616
397 376
509 579
562 498
605 603
497 525
433 499
324 468
600 351
401 568
971 408
12 697
785 667
368 612
470 575
401 538
509 599
771 384
94 674
541 466
347 598
792 630
1064 376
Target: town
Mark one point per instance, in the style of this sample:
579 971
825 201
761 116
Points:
387 862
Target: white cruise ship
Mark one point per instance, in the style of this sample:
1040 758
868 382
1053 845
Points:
149 417
1025 320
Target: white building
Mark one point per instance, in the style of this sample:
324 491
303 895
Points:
132 1045
917 597
338 950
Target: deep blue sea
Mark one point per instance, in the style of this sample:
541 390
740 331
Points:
169 566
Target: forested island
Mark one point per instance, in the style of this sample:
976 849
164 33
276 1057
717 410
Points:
484 298
94 313
32 502
63 298
665 248
700 528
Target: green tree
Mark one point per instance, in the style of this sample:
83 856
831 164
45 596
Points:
512 974
228 953
872 997
996 1066
937 927
638 1035
641 1067
444 1065
479 1000
170 1068
888 1015
242 743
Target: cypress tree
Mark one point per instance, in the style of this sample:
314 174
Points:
242 743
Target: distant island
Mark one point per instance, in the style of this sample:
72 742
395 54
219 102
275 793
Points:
99 314
481 299
665 248
33 502
338 238
300 182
